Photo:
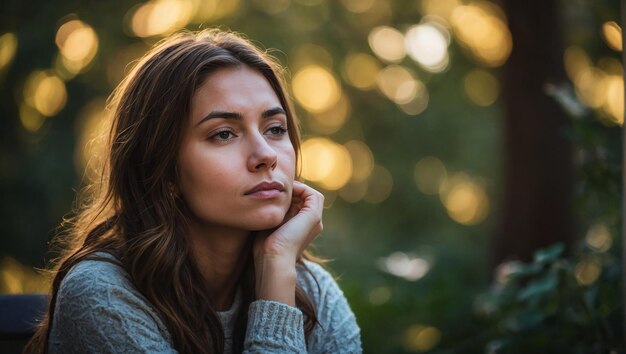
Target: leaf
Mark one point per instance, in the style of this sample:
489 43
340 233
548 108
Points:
539 287
530 269
549 254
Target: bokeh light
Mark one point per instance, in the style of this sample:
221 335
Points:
315 88
8 47
405 266
326 163
353 191
429 174
481 28
362 160
78 44
599 238
417 104
30 118
612 34
587 271
387 43
397 83
465 199
600 87
332 119
614 103
590 86
481 87
361 70
358 6
159 17
406 92
419 338
427 44
45 92
576 61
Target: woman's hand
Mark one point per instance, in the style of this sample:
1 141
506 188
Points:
276 251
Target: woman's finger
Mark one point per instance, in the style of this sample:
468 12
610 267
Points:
312 198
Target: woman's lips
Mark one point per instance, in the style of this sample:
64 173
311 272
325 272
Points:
266 190
266 194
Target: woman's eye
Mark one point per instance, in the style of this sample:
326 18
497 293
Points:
223 135
278 130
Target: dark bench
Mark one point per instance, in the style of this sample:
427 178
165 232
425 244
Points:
18 318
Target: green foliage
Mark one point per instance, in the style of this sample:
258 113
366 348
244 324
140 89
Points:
541 306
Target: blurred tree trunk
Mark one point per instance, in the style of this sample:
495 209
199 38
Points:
537 154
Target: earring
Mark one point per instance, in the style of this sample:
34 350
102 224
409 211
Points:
172 190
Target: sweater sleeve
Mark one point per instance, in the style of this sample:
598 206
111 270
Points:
278 328
274 327
97 310
337 331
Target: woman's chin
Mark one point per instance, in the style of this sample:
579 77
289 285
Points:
268 220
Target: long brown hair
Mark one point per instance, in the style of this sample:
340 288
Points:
131 210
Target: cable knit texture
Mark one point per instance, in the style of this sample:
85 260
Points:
98 310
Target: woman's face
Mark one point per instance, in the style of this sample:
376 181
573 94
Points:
236 163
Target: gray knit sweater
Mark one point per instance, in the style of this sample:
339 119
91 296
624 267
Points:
98 310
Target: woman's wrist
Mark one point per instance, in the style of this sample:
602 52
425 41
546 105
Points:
276 280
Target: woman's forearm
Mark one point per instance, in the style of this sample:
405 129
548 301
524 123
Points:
276 280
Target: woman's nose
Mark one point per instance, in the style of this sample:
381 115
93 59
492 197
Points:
262 154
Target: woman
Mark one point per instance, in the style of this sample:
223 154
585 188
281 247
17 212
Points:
195 242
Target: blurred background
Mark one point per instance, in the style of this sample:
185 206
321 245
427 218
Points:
470 152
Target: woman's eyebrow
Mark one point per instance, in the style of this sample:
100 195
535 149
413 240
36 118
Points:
273 111
238 116
221 114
